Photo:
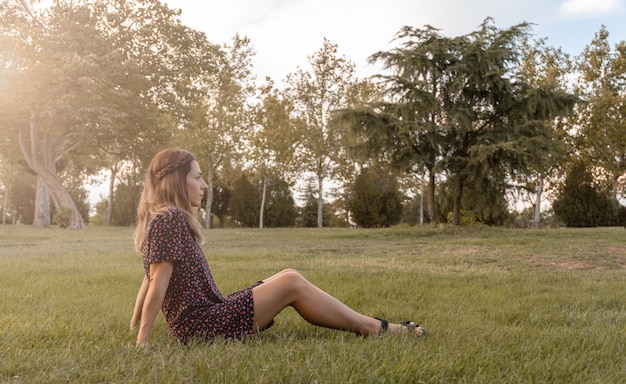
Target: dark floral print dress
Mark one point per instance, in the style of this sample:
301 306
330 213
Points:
193 306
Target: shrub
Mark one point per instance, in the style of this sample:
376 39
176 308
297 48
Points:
62 217
581 203
375 200
244 203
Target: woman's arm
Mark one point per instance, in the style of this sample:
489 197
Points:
160 274
141 296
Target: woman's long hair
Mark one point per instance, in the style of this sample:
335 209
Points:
166 187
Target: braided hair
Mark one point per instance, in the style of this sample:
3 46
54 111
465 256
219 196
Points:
165 187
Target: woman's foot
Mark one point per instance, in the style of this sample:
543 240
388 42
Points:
406 327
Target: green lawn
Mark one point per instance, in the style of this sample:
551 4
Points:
500 306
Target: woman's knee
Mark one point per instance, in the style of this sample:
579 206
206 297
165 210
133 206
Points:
282 274
292 278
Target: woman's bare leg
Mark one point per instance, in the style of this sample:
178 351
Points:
290 288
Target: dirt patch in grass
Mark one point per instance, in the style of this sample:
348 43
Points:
573 265
606 262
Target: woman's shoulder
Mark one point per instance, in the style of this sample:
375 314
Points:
168 216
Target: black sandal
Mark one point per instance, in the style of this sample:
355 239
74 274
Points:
410 326
384 325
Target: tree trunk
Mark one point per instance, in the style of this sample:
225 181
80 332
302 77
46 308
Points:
209 199
263 201
423 190
62 199
41 218
8 185
431 196
456 210
615 204
108 217
4 206
537 214
320 201
45 169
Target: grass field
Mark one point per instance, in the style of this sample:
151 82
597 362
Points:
500 306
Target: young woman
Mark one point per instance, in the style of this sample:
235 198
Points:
178 280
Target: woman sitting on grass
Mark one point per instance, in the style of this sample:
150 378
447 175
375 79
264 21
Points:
179 282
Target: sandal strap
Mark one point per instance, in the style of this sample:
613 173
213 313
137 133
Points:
384 325
410 326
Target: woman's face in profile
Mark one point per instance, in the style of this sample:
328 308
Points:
195 185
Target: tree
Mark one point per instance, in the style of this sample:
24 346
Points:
546 70
22 196
316 93
412 212
602 116
273 141
221 201
456 107
221 113
375 200
244 203
51 97
280 207
581 203
87 77
486 135
409 126
99 210
485 204
127 195
9 171
161 61
355 152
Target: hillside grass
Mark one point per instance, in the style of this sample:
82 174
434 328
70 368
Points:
499 305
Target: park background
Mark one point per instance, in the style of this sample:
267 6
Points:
493 126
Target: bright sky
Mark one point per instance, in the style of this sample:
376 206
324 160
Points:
285 32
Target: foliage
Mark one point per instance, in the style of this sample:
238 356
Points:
484 203
315 94
221 201
244 203
22 197
219 123
375 200
99 212
62 217
127 194
545 69
309 213
581 203
89 78
455 106
602 118
79 194
272 143
52 96
411 211
88 85
280 207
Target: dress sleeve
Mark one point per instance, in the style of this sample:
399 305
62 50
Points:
166 237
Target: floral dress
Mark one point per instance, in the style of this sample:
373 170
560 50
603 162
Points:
193 306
